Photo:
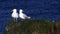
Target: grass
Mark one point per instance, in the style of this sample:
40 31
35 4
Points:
32 27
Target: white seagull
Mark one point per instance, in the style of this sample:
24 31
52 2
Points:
14 14
22 15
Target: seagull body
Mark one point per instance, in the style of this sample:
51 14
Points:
22 15
14 14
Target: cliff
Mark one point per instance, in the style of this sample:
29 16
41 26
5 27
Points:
31 27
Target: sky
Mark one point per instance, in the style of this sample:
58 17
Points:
49 9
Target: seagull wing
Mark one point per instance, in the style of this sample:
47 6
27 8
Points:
27 17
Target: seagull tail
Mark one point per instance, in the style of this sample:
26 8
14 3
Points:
29 17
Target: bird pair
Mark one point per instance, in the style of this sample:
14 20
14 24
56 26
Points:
21 15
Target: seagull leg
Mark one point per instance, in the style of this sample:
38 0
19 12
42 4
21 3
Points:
21 20
16 19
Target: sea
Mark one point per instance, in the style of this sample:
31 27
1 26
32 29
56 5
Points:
36 9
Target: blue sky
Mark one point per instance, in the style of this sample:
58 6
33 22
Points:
49 9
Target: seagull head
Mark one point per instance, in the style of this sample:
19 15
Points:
14 10
21 11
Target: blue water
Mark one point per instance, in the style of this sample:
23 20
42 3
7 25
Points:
36 9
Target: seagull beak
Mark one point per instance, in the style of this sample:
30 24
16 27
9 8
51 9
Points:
23 11
12 11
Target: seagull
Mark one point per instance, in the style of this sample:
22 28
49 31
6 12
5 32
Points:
14 14
22 15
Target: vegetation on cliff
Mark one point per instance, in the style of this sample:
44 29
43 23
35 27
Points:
31 27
